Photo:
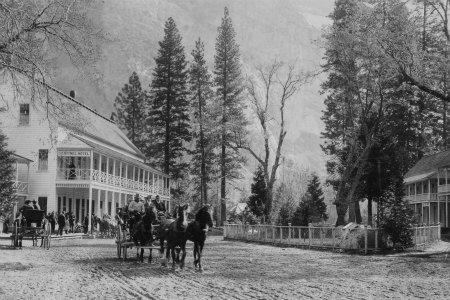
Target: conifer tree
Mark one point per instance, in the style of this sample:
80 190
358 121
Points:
257 200
312 207
203 123
169 113
131 114
7 192
317 200
229 87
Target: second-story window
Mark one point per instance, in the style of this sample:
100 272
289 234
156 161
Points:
43 160
24 118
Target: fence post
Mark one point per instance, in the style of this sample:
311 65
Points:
265 233
333 236
252 232
439 231
309 234
246 232
289 235
376 239
281 234
365 239
273 234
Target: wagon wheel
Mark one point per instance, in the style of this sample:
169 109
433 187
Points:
15 236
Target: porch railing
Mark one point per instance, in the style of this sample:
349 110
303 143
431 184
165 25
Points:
21 187
110 179
363 239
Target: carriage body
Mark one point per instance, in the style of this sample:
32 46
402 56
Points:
32 225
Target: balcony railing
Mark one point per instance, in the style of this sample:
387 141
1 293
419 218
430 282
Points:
110 179
444 188
21 187
422 197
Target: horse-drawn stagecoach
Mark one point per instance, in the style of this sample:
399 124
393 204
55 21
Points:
157 232
31 225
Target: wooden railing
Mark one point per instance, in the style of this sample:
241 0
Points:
21 187
110 179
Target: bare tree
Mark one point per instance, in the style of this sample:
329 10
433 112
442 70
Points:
32 33
275 89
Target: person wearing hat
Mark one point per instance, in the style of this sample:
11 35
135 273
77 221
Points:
160 207
36 205
26 206
135 210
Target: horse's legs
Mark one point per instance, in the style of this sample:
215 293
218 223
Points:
150 256
200 250
172 250
195 254
183 248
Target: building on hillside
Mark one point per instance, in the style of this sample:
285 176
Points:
69 157
427 188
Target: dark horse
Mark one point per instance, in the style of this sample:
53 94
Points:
197 231
176 235
142 231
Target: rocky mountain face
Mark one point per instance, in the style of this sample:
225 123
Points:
287 30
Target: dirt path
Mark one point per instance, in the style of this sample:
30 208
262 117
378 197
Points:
89 269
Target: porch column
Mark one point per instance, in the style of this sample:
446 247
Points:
126 175
113 205
429 212
446 211
90 208
105 203
100 162
28 176
438 210
148 182
114 173
422 212
17 173
80 216
98 202
107 171
153 182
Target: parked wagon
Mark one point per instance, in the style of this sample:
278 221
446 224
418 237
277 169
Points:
31 226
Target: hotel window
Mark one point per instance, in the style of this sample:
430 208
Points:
24 114
43 160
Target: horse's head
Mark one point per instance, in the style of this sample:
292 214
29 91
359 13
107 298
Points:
204 215
182 211
150 213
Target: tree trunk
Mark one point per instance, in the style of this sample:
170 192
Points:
268 204
358 217
223 205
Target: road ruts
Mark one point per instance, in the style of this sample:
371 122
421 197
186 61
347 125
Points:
89 269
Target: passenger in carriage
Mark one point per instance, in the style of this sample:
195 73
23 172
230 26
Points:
36 205
160 207
135 210
26 206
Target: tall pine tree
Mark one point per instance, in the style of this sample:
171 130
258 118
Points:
131 113
202 167
229 86
7 192
169 113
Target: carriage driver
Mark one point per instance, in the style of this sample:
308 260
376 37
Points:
160 207
135 210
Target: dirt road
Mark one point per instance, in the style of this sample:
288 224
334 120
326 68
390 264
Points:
89 269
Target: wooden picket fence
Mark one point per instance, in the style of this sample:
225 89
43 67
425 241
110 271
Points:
362 239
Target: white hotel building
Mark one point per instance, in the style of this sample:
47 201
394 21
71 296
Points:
69 157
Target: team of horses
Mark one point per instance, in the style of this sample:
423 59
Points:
174 233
